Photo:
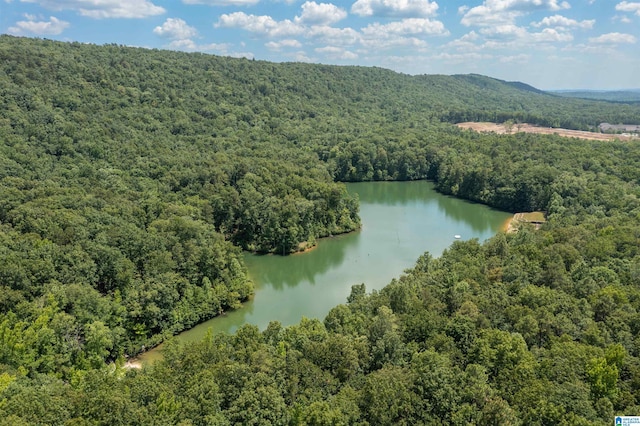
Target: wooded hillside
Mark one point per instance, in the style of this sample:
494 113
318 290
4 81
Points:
130 180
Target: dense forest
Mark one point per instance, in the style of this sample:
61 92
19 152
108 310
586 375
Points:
131 179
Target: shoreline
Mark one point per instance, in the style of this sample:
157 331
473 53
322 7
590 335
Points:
506 225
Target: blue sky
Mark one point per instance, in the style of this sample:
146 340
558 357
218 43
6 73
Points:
550 44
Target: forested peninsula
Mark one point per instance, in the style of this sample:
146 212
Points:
132 179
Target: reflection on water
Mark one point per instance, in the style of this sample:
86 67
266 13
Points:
281 271
401 220
477 216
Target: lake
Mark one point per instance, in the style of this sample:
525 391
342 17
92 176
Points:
400 221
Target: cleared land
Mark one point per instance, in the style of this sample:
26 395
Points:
528 128
534 218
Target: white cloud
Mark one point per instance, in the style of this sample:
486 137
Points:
529 5
223 2
181 34
484 16
183 44
470 36
550 35
458 58
507 37
282 44
334 36
613 38
189 45
627 6
407 26
247 55
302 57
320 13
175 28
397 8
504 32
264 24
498 29
333 52
511 33
623 19
100 9
464 43
607 50
492 12
395 42
53 26
521 58
561 21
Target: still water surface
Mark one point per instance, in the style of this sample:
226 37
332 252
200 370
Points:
400 221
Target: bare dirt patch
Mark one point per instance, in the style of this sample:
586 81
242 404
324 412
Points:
514 223
528 128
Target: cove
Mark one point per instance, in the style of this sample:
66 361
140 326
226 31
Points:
400 221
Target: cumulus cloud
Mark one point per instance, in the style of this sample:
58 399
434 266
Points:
413 26
246 55
458 58
53 26
623 19
492 12
393 41
223 2
334 36
183 44
395 8
334 52
191 46
627 6
504 32
263 24
465 43
522 58
613 38
283 44
181 35
511 33
100 9
550 35
528 5
320 13
175 28
561 21
302 57
484 16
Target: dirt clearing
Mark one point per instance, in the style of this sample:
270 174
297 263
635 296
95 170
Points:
528 128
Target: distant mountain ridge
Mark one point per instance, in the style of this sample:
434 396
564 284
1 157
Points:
482 80
627 95
317 89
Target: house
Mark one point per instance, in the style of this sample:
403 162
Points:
606 127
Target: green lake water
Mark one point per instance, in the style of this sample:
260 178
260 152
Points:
400 221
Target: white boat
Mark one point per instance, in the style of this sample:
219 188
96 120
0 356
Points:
457 237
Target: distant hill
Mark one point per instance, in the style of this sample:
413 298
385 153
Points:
296 88
492 83
631 95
